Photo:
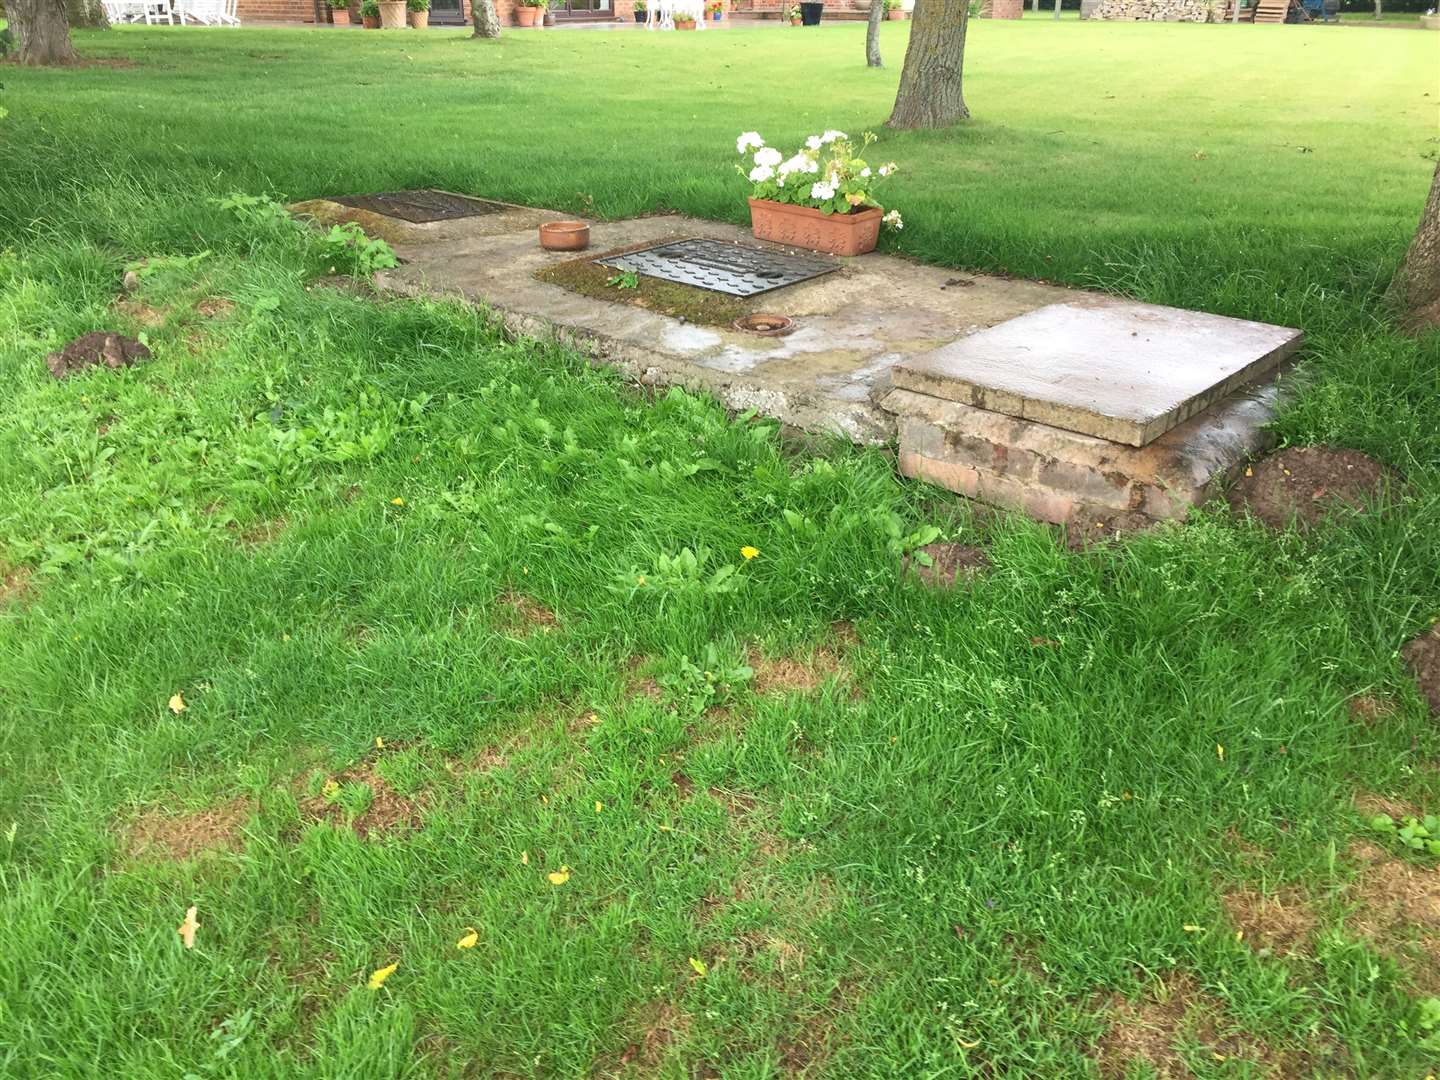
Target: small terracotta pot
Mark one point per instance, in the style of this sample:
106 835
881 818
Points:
370 22
565 236
796 22
684 24
895 14
419 19
525 16
806 227
340 16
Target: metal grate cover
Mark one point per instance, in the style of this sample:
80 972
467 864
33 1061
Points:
720 266
419 207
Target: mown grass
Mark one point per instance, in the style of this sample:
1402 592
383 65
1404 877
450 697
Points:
939 848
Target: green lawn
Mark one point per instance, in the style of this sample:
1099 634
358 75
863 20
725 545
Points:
447 613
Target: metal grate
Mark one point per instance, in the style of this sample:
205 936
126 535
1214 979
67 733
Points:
720 266
419 207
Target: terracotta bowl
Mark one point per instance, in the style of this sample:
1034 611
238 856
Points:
765 325
564 236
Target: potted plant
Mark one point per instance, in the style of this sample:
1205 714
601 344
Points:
893 11
370 14
821 198
547 16
392 14
528 14
810 12
684 22
419 13
795 17
715 9
339 12
640 11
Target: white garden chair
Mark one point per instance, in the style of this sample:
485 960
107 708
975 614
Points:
660 14
209 12
149 11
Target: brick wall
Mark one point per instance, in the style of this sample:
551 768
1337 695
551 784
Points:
275 10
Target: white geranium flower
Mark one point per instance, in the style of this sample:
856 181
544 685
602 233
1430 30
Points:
751 140
760 173
894 220
865 172
780 180
884 170
822 191
814 142
831 135
768 156
811 165
794 164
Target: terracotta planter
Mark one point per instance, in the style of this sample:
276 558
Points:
526 16
803 227
797 22
419 19
895 14
684 24
565 236
340 16
392 15
370 22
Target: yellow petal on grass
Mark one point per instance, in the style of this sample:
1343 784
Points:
379 743
1220 751
699 966
558 877
1191 928
379 975
749 552
599 806
468 940
397 501
187 929
524 858
177 703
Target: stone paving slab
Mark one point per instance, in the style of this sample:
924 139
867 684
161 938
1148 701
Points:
1119 370
852 327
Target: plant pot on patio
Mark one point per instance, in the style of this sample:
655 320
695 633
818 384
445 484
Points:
418 13
392 15
810 13
640 13
895 14
526 15
340 16
805 227
684 24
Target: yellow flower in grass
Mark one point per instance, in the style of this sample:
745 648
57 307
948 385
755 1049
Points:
397 501
379 975
558 877
749 552
469 939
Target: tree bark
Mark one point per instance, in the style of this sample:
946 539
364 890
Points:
487 23
1415 289
87 13
43 32
930 82
1057 10
872 34
1378 8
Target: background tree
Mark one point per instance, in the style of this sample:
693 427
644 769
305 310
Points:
87 13
872 34
930 82
487 23
42 29
1415 289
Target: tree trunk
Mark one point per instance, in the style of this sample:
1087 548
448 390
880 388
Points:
1057 10
930 82
487 23
872 34
1379 9
1415 289
87 13
42 30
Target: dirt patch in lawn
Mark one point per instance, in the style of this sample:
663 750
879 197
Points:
384 811
524 616
1370 709
1422 658
652 1031
14 584
944 565
789 675
214 307
1278 924
101 348
1153 1031
1305 484
1397 911
157 835
257 533
147 315
700 306
638 682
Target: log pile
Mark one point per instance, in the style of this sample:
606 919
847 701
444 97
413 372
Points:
1159 10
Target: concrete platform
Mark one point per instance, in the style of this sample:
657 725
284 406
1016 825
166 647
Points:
1122 371
1058 402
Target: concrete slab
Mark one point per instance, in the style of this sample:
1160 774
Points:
1118 370
852 327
